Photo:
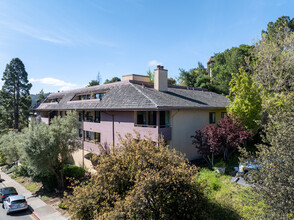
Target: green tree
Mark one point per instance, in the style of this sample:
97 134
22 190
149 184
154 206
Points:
189 78
171 81
139 179
274 182
114 79
93 83
41 96
245 100
47 148
11 145
151 75
229 62
274 29
15 96
274 68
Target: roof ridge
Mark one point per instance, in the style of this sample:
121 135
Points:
144 94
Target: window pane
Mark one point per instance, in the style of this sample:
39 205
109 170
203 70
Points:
162 119
167 123
223 114
97 116
97 137
141 118
211 117
152 118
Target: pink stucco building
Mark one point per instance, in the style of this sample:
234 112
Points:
136 104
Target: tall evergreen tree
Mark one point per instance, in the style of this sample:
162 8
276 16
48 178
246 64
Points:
41 96
15 95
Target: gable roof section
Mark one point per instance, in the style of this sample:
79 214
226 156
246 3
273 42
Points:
132 95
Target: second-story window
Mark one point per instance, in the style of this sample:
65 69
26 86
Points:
164 119
145 118
89 117
80 116
97 117
152 118
141 118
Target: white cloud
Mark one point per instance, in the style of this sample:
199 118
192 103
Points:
54 82
154 63
55 36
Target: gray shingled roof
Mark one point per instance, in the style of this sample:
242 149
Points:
132 95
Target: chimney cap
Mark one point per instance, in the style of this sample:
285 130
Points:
159 67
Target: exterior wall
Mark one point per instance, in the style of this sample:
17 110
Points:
184 124
136 77
45 120
78 158
124 122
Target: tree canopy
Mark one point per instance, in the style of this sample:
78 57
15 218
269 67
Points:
245 100
140 179
47 147
114 79
93 83
15 96
228 62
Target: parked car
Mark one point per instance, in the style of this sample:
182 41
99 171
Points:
15 203
245 166
7 191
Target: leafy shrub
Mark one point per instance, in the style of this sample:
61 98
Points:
22 170
223 138
62 205
11 169
73 171
139 179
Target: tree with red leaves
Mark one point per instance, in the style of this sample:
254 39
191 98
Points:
224 138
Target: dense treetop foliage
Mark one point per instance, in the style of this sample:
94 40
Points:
93 83
245 100
114 79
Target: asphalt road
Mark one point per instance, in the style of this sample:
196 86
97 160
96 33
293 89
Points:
22 215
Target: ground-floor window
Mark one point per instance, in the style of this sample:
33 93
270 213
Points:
211 117
223 114
93 137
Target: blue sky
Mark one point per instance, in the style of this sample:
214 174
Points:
65 43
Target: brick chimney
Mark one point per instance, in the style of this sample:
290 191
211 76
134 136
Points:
160 79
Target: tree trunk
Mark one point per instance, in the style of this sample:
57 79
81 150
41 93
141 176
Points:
60 179
226 154
16 109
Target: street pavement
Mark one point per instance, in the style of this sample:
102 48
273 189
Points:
40 210
22 215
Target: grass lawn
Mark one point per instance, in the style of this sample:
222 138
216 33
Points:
229 200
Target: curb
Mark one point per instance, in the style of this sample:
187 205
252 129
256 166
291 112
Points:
34 214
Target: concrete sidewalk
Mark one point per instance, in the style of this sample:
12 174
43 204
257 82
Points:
39 208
